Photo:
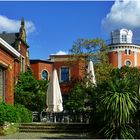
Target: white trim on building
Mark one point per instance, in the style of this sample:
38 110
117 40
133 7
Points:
119 59
9 48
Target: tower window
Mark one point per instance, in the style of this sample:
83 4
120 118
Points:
128 52
124 38
128 63
125 51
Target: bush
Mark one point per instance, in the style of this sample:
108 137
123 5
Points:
8 113
17 114
24 114
31 92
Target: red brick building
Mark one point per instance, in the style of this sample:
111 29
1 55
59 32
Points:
41 68
14 58
67 68
9 60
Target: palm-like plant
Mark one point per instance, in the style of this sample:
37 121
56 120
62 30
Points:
118 104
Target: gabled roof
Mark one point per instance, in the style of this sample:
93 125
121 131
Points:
9 48
10 38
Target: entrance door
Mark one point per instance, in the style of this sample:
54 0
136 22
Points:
2 85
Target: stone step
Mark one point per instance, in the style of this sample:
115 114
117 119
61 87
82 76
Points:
52 131
53 127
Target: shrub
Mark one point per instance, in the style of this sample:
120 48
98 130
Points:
8 113
24 114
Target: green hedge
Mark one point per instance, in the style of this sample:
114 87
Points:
24 113
15 114
8 113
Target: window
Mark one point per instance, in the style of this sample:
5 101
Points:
125 51
44 75
2 85
128 63
128 52
22 64
124 38
64 74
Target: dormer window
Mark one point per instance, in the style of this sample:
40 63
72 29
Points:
124 38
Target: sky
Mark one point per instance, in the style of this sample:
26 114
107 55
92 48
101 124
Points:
53 26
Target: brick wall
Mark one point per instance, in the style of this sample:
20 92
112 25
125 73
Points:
76 67
7 61
113 58
38 66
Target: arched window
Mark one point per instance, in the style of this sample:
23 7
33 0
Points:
129 52
44 75
125 51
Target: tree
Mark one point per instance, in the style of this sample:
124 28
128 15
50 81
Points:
30 92
117 102
76 98
96 50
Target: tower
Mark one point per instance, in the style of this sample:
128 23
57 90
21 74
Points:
122 50
22 32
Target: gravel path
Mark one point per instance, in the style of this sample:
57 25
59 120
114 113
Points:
45 136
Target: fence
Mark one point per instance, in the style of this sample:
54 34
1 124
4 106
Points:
62 117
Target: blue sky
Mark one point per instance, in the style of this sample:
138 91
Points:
53 26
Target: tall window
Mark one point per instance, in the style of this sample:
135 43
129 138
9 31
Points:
124 38
125 51
2 85
44 75
22 64
64 74
128 52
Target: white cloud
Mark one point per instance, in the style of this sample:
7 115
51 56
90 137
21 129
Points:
60 53
12 25
123 14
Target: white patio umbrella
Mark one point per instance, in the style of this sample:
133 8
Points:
91 72
54 97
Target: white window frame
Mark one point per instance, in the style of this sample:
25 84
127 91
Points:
124 38
129 61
